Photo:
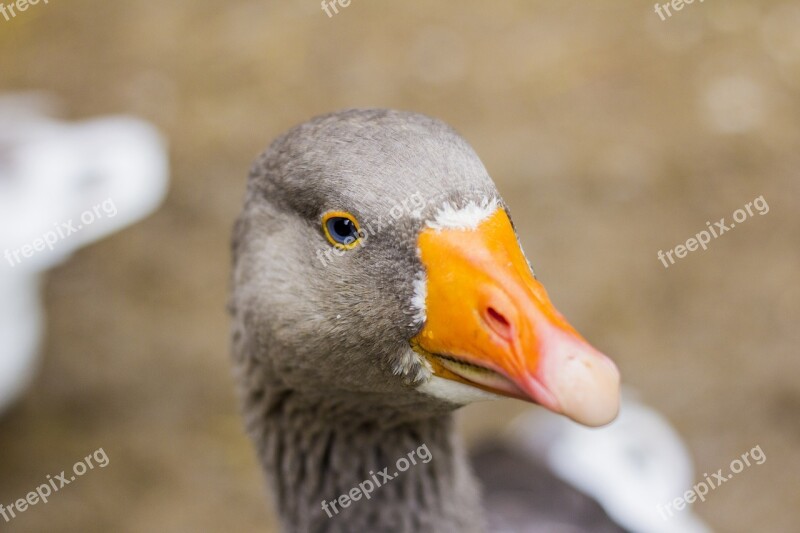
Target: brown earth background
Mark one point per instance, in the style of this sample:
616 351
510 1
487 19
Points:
611 133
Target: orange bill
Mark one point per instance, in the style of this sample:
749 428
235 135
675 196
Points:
490 324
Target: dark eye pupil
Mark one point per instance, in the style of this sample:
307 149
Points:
341 229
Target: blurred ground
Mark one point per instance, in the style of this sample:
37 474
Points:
612 135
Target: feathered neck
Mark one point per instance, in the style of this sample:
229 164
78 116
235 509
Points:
319 450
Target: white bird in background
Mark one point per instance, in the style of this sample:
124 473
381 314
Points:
631 467
69 184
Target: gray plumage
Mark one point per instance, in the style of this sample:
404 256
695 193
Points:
321 343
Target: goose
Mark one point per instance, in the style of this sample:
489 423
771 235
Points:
50 173
629 469
378 284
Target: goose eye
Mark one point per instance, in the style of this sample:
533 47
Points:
341 229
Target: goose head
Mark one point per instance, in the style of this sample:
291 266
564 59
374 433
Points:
376 264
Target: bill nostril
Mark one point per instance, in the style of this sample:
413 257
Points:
498 323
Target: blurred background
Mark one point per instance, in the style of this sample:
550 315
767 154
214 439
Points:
612 134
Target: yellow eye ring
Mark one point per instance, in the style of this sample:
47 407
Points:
341 229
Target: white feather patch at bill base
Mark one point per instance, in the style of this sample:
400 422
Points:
467 217
418 298
455 392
